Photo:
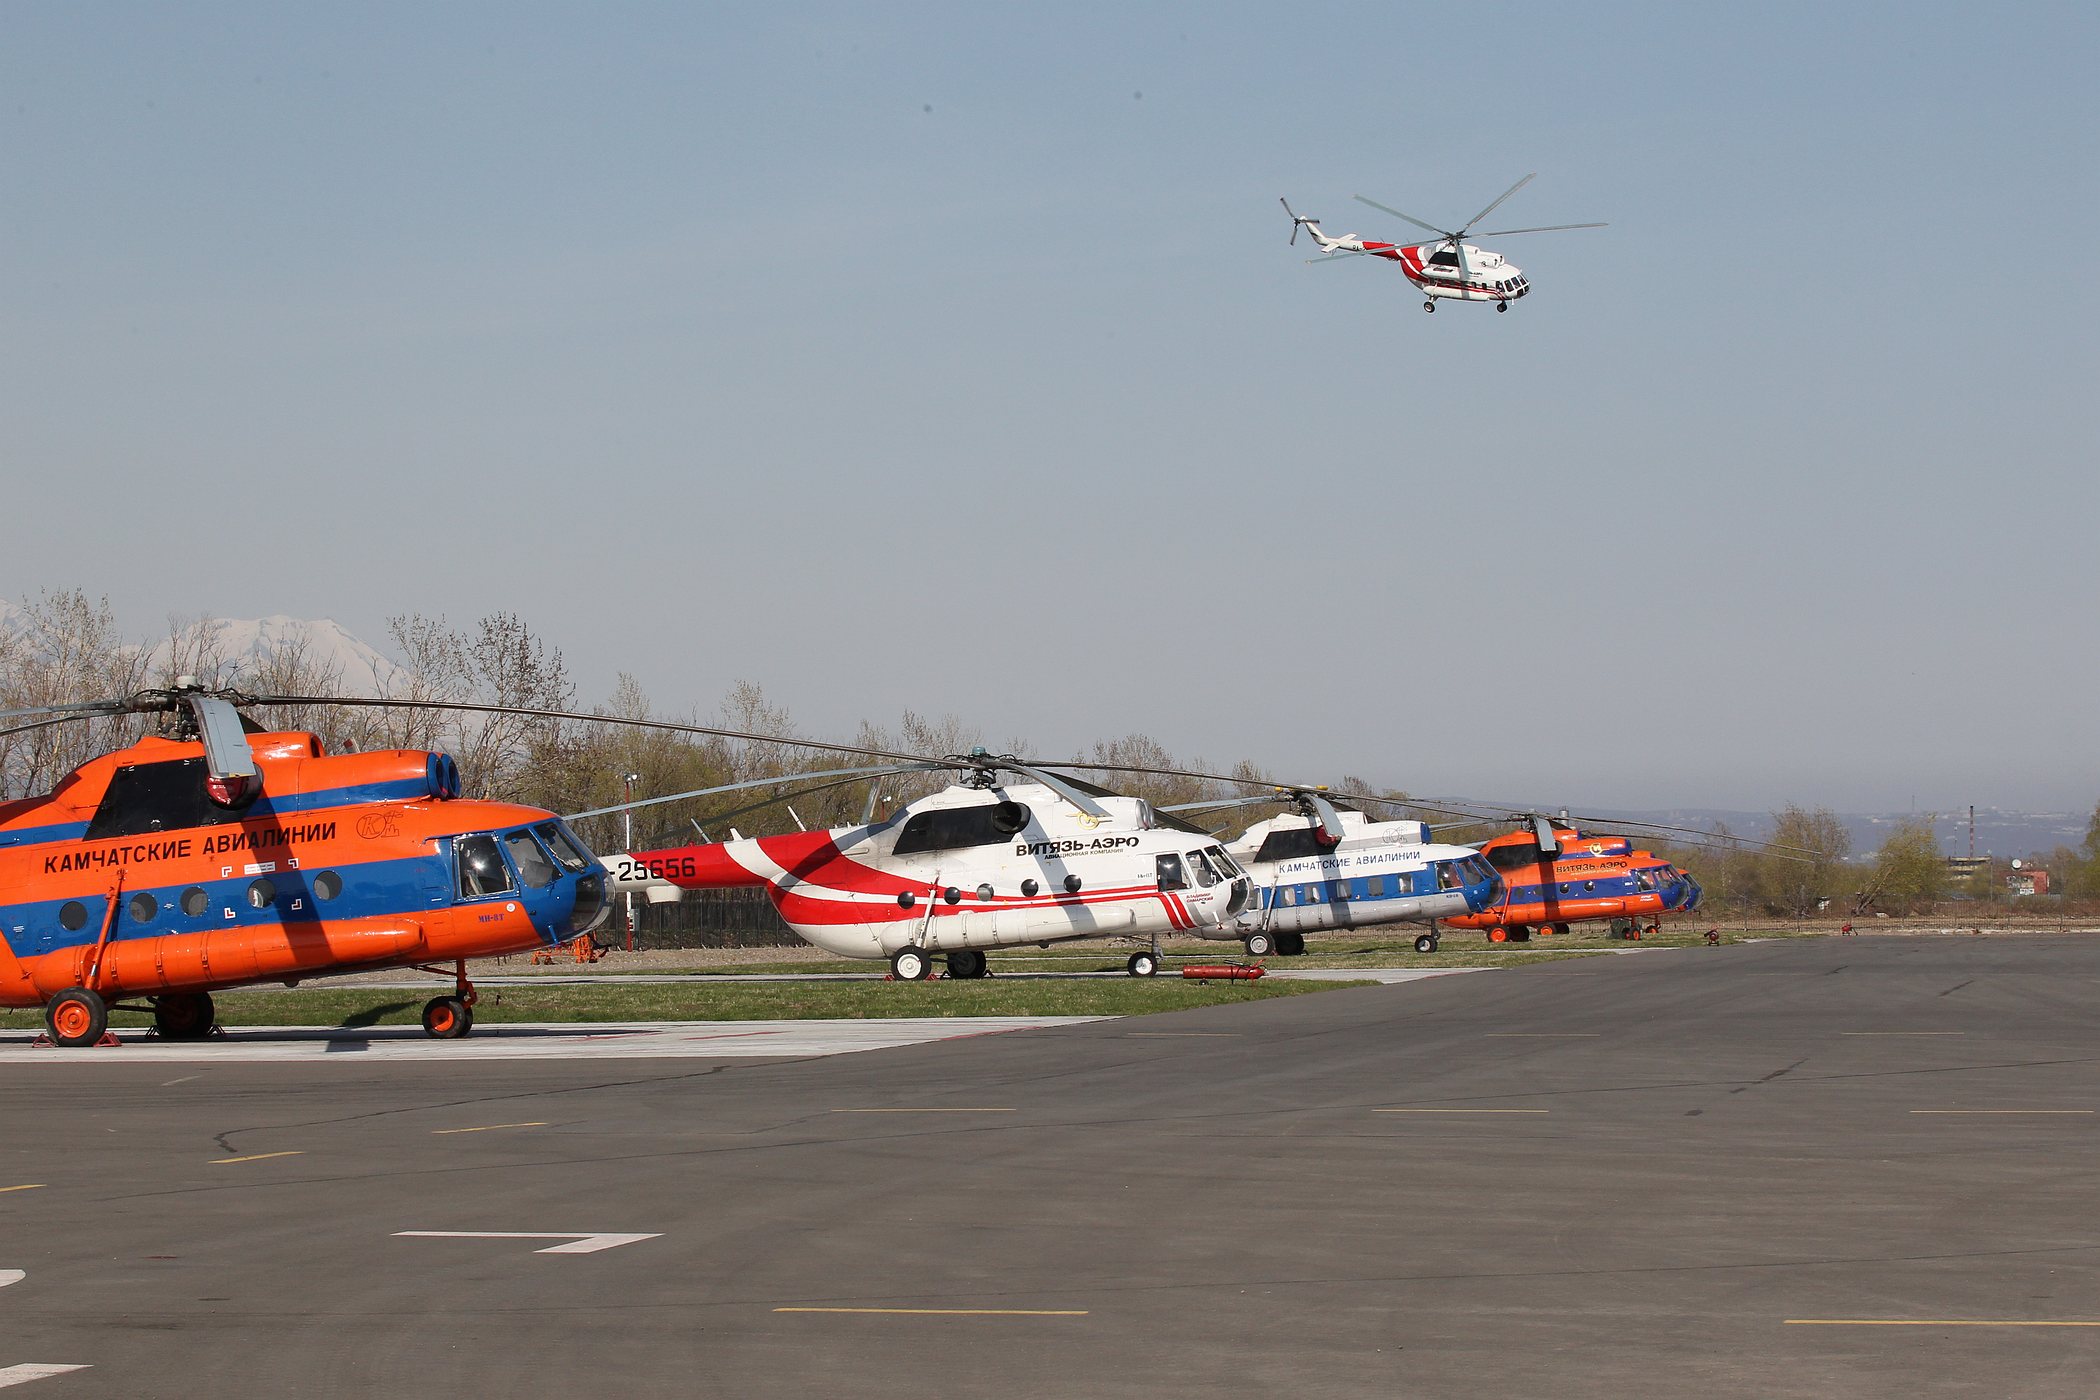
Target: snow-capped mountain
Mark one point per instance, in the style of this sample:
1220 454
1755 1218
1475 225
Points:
248 647
243 650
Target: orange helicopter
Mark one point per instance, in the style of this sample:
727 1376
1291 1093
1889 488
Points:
1555 874
223 856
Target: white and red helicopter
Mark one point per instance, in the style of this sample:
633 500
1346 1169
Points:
981 864
1325 867
1447 268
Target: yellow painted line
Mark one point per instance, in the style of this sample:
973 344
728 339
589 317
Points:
1993 1112
947 1312
258 1157
925 1110
489 1128
32 1186
1923 1322
1461 1110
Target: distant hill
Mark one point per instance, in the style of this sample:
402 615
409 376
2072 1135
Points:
1998 832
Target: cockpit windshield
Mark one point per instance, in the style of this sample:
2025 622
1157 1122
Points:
1206 874
567 849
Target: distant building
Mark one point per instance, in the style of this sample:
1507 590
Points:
1963 870
2023 881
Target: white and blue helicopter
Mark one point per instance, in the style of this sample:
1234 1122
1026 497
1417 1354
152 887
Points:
1326 867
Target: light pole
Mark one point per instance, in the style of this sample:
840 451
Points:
627 847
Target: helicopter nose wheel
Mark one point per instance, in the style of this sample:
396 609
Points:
1430 307
910 965
1501 306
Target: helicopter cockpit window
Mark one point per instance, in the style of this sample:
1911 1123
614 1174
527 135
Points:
570 851
1206 874
481 870
1222 858
1171 876
533 866
1447 875
955 828
149 797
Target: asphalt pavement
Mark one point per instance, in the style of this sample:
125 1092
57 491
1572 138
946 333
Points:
1860 1167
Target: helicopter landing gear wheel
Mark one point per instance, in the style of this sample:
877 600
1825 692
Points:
1143 965
1260 945
447 1018
966 964
1501 306
1425 943
76 1017
910 965
1498 934
184 1015
1430 306
1291 945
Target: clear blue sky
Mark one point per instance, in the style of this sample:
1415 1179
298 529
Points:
952 357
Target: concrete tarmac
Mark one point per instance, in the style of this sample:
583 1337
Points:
1807 1168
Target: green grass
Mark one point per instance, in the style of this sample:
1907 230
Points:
719 1001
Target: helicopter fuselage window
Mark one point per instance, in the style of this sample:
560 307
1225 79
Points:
149 797
1171 876
1200 864
481 870
957 828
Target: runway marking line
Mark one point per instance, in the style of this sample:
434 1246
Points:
1903 1033
30 1186
258 1157
33 1371
578 1242
2002 1112
1543 1035
1181 1035
1461 1110
1924 1322
947 1312
925 1110
486 1128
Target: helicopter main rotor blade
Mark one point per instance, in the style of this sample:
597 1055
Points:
226 751
664 725
1060 786
1498 203
1330 820
842 774
1543 228
1387 208
84 709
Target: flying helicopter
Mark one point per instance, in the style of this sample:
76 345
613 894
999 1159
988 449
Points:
983 863
1446 268
222 855
1325 867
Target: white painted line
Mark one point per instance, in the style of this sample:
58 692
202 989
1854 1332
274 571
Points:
578 1243
489 1128
2005 1112
32 1371
258 1157
549 1041
8 1276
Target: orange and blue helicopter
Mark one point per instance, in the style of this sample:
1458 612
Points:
221 856
1554 876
